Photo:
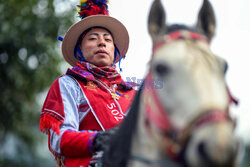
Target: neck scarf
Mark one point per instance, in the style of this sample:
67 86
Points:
100 72
107 74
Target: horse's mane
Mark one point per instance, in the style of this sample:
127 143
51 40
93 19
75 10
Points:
118 150
176 27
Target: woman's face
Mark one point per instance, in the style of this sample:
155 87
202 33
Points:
98 47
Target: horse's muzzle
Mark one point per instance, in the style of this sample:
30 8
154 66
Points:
232 157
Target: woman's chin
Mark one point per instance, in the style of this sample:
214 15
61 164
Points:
102 63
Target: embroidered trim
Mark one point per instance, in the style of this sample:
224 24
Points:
90 143
54 112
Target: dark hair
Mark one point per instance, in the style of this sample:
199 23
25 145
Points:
79 41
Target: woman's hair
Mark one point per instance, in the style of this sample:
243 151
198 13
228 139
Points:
79 41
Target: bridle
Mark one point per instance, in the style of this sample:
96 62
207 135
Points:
156 116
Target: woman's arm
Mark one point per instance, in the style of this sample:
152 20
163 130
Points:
70 141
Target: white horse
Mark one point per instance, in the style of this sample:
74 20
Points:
180 117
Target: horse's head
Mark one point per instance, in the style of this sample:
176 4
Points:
190 89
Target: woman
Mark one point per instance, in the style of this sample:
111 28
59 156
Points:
91 97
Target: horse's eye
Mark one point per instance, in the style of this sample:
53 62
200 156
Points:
222 64
162 69
225 67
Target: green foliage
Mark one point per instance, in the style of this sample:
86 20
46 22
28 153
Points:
29 62
246 159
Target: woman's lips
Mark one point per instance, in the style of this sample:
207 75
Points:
102 52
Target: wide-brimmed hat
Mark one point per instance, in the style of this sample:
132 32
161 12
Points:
117 29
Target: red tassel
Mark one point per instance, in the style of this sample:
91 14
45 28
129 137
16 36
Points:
48 122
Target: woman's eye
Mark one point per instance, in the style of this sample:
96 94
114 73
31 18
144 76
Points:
92 39
108 40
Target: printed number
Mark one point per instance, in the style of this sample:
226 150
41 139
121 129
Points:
115 112
112 105
117 115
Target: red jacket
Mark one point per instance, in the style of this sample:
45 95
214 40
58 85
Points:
101 111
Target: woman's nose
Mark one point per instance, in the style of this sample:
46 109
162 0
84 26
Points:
101 42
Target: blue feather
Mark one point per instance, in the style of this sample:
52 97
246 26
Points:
100 2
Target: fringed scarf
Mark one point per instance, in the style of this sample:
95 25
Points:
99 72
107 74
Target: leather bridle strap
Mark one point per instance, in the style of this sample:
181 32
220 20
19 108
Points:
155 112
157 115
180 34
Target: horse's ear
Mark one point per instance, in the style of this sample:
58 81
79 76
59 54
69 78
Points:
206 20
156 20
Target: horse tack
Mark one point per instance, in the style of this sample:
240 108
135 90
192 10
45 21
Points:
156 114
176 138
180 34
206 135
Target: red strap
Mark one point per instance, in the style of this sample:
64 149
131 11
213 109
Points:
211 117
154 109
180 34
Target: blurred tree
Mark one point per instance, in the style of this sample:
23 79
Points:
29 62
246 159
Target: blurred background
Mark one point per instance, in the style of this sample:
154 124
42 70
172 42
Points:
30 60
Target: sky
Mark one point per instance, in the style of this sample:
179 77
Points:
232 42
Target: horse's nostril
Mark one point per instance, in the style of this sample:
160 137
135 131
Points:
201 150
162 69
224 160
